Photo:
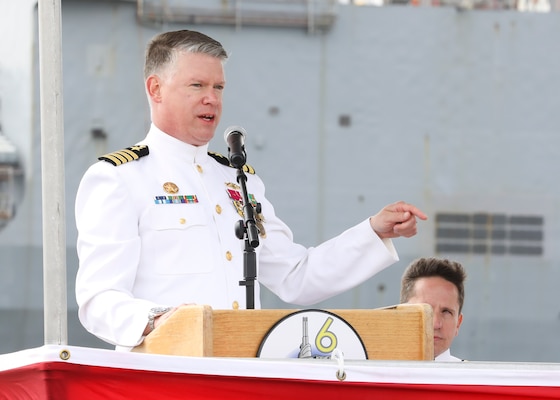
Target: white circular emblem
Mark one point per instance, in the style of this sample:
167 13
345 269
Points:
312 334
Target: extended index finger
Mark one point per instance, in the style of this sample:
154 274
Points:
414 210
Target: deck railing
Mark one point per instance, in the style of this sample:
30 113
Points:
312 15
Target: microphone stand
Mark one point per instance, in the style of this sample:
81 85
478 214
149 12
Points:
247 229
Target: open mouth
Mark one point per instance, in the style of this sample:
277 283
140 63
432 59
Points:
207 117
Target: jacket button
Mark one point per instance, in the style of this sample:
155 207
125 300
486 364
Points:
229 256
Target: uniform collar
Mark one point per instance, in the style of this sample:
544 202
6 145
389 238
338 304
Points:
172 147
446 356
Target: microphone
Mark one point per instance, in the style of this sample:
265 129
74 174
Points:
235 139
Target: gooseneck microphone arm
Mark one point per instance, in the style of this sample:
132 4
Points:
245 229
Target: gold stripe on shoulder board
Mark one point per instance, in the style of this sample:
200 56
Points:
125 155
250 170
224 161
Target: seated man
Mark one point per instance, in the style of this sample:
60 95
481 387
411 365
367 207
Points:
439 283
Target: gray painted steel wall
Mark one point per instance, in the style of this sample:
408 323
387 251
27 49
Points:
453 111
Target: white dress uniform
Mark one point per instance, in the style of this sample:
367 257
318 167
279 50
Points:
447 357
159 231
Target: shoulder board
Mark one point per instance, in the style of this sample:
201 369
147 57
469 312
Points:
123 156
224 160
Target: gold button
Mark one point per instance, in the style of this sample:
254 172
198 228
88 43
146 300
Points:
182 221
235 305
228 255
199 168
218 209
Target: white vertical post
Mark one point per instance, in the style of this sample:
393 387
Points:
52 171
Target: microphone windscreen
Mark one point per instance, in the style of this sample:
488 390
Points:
232 129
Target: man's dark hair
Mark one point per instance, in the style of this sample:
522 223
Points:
451 271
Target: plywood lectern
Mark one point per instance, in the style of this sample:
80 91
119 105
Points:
401 332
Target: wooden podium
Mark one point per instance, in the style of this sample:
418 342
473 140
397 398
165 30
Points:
400 332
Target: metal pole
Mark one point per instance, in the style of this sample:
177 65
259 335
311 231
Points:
52 171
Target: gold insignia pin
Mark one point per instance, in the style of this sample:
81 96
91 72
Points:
170 188
233 186
259 220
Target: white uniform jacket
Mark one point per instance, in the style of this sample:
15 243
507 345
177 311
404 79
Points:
447 357
159 230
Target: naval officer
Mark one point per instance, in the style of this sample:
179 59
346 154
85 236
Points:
155 220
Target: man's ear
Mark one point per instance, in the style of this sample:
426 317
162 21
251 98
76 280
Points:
459 322
153 87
